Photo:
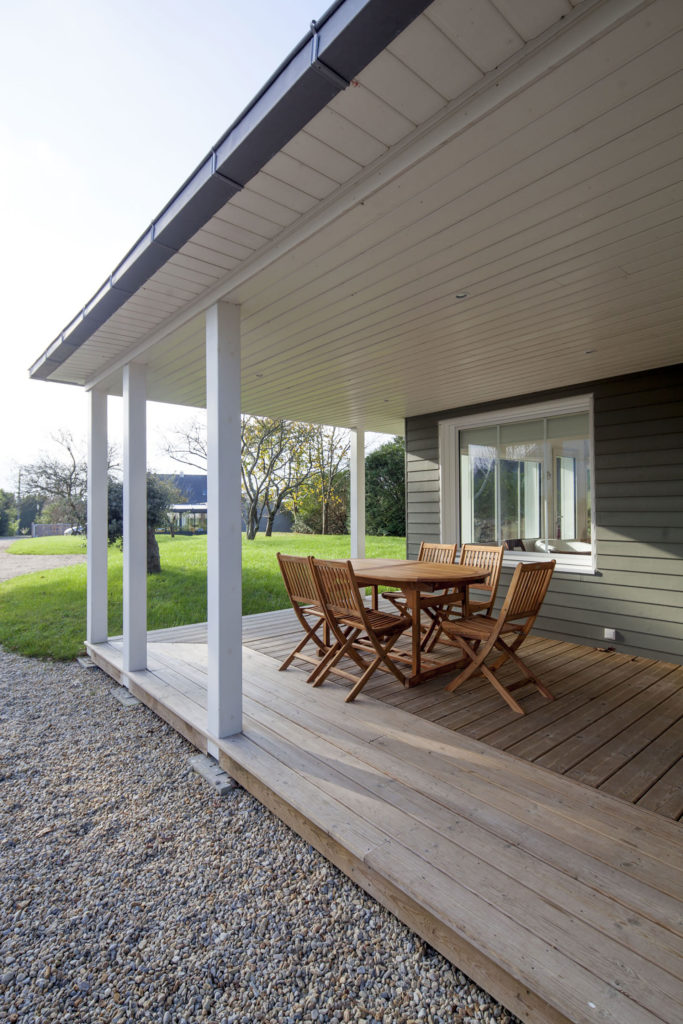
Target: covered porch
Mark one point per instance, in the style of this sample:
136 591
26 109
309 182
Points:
557 894
436 210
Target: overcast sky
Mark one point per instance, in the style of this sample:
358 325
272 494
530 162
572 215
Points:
106 106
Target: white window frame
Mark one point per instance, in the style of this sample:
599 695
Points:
449 469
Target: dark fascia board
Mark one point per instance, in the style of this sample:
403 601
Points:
341 43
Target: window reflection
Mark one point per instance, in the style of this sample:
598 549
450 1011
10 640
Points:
527 484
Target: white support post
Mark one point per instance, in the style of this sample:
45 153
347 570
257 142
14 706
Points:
97 622
224 526
357 493
134 518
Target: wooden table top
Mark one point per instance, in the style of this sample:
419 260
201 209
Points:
401 572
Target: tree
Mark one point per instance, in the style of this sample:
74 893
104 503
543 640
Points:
385 513
29 508
276 457
321 502
276 462
161 494
60 484
188 445
7 512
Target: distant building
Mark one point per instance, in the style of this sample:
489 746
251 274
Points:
192 486
190 516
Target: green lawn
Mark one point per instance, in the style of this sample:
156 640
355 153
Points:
49 546
43 614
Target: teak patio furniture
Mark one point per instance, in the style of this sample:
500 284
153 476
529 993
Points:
414 578
357 630
298 580
478 635
444 554
482 556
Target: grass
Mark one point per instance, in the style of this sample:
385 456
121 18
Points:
43 614
49 546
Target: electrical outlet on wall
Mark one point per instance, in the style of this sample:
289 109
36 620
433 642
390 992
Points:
609 633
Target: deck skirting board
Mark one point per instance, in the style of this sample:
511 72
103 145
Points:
180 714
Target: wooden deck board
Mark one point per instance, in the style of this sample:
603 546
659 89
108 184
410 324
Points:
569 674
351 844
633 781
591 731
593 735
552 895
323 740
602 763
379 741
416 823
553 747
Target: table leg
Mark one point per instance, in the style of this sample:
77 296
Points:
413 600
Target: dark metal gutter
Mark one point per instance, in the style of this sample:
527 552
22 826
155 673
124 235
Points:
346 39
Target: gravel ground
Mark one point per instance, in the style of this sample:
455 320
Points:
130 892
20 565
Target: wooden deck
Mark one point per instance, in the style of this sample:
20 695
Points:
559 899
616 723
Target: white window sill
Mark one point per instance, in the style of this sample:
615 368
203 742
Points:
580 565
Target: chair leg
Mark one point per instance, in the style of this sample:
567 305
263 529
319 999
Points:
509 648
310 635
505 693
363 680
339 651
433 628
382 657
529 675
476 661
477 664
383 654
322 665
433 634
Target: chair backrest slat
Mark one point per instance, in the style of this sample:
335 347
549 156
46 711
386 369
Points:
337 587
484 556
298 579
443 553
527 590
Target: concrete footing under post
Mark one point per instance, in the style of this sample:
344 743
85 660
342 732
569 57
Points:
211 772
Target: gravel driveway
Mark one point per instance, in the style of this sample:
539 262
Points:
19 565
130 892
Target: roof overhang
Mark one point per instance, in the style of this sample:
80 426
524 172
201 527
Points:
526 155
347 37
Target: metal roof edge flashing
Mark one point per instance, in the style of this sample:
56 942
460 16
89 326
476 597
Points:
344 40
318 65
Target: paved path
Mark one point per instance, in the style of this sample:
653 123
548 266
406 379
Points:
19 565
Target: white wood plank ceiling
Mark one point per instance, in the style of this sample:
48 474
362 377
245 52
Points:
525 152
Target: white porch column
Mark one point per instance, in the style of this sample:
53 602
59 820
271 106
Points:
357 493
224 529
134 518
97 622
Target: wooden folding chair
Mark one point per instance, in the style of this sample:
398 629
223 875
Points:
480 556
358 630
442 553
478 635
445 554
298 580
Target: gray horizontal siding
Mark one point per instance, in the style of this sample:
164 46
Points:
638 587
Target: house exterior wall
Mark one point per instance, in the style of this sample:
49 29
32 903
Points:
638 449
